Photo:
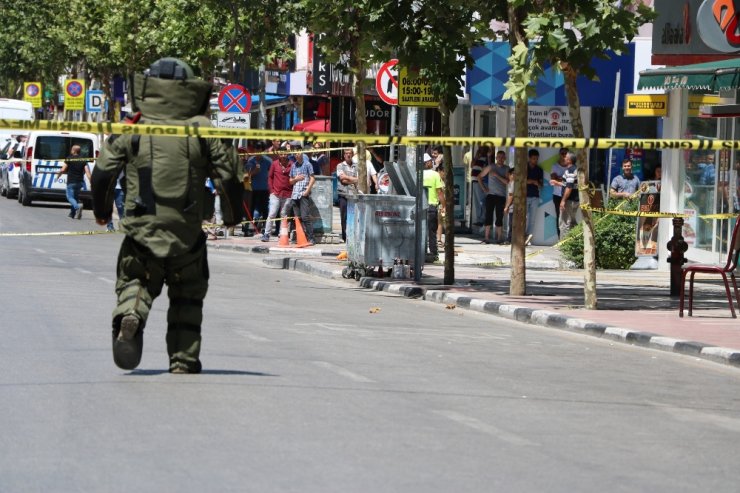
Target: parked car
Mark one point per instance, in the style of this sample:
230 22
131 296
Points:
44 156
11 156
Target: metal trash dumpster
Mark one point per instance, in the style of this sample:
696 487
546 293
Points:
380 229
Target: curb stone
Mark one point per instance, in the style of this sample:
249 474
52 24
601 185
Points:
528 315
563 322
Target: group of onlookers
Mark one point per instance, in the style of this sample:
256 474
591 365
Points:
492 182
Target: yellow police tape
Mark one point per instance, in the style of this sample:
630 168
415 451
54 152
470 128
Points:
60 233
618 212
195 130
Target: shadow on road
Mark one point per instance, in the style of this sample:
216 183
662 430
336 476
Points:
204 372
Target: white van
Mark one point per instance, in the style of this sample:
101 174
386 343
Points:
45 154
15 109
11 109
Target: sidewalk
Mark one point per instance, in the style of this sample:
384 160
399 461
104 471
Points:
634 306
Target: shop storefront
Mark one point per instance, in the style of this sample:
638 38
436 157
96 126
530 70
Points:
701 184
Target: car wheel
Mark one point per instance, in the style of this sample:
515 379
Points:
25 200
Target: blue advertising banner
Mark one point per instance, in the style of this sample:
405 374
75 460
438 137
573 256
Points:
485 81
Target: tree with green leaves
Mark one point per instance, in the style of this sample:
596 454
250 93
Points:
569 34
519 88
348 30
258 33
437 36
30 52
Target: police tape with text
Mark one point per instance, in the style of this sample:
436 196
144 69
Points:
215 132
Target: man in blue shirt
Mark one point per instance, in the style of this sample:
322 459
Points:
302 179
624 187
258 168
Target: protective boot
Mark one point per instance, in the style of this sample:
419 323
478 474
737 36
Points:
183 347
128 341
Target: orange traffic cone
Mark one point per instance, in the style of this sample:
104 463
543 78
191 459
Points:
300 237
284 241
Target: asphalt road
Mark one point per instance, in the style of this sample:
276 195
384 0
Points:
313 385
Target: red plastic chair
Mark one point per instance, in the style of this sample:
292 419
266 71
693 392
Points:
728 268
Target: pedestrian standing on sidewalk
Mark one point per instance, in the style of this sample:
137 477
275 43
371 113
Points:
76 170
509 206
556 180
347 187
480 161
625 185
434 188
259 167
570 203
278 181
498 178
535 178
302 180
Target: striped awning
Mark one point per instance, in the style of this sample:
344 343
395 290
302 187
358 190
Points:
709 76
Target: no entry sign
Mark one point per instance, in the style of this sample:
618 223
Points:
386 82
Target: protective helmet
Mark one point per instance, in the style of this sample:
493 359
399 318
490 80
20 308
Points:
170 68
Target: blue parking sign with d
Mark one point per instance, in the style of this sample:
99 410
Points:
94 101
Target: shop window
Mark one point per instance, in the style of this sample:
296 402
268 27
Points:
711 186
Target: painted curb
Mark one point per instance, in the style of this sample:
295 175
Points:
523 314
563 322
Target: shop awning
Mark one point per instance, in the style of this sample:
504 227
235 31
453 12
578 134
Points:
312 126
709 76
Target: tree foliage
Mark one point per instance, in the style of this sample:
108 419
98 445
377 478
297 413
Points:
45 40
345 32
437 36
569 34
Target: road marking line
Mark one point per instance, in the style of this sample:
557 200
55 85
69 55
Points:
105 279
57 260
339 370
487 428
251 336
39 250
82 271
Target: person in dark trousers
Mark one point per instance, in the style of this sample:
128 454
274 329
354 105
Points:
76 169
166 202
434 188
347 178
302 179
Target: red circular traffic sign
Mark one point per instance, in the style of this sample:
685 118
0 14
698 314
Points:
33 90
386 82
234 98
74 89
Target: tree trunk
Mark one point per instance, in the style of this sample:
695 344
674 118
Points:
358 77
449 219
589 250
262 118
518 282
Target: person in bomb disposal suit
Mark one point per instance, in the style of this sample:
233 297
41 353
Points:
165 203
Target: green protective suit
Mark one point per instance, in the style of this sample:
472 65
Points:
166 200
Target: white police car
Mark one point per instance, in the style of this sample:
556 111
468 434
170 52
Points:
44 156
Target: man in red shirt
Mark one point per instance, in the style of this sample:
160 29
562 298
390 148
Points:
278 182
